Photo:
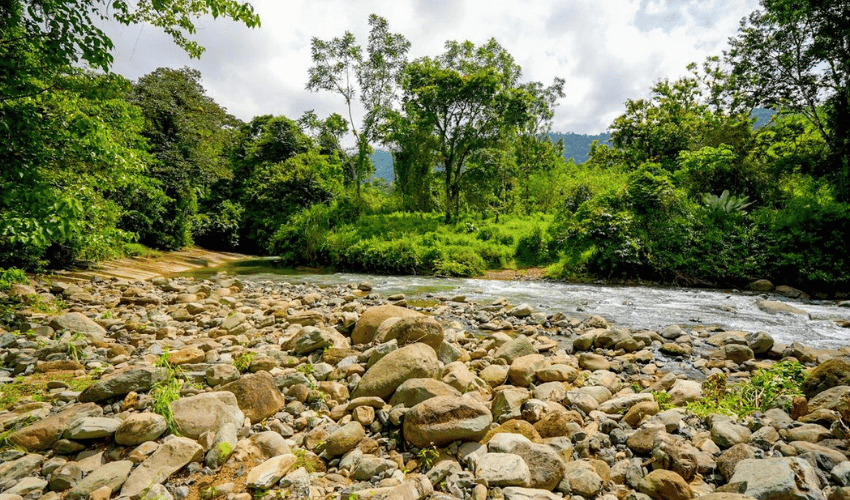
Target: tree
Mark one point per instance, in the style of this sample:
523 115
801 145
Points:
340 67
42 39
795 56
533 147
65 154
186 135
468 98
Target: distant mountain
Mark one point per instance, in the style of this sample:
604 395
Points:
762 117
576 146
383 162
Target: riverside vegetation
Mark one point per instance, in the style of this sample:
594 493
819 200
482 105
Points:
685 190
179 389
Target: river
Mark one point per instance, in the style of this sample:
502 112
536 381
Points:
629 306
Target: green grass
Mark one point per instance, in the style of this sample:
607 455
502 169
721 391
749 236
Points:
34 387
420 243
139 250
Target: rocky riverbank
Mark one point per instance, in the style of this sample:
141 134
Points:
176 389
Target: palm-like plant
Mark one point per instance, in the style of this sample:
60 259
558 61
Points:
725 203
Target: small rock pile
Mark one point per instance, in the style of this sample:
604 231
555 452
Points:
230 389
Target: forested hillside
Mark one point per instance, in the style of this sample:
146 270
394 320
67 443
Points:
684 187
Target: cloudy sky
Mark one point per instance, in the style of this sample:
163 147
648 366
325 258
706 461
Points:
606 50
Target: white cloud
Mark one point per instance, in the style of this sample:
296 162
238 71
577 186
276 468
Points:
607 50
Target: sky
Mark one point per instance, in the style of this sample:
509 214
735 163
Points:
608 51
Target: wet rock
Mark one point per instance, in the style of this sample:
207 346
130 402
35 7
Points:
761 285
444 419
776 307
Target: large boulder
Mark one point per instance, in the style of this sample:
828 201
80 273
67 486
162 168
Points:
443 419
416 390
371 319
832 373
76 322
424 329
257 395
790 478
663 484
204 412
776 307
138 428
385 376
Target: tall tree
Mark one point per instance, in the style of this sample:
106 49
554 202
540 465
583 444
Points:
468 98
339 66
41 39
185 129
795 56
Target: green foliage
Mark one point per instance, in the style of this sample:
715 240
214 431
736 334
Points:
725 203
764 390
10 276
65 153
427 456
243 361
166 392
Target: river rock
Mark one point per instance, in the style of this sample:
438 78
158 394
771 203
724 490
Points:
545 467
412 392
623 403
515 348
443 419
92 428
832 373
111 475
789 478
195 415
312 338
122 382
367 325
503 469
385 376
45 433
342 440
424 329
759 342
257 395
16 469
170 457
138 428
761 285
685 391
727 433
523 370
737 353
76 322
776 307
581 478
268 473
663 484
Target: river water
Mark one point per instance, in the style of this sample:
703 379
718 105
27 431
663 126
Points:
629 306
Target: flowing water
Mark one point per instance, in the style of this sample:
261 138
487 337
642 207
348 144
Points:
630 306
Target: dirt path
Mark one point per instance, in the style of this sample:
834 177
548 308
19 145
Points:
145 268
